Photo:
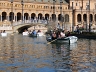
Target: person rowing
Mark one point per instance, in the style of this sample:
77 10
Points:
54 35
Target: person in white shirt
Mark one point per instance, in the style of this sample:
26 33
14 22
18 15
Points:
62 34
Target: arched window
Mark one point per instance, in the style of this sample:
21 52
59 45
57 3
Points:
59 17
26 15
40 16
85 17
33 15
95 17
91 17
18 16
4 14
79 18
11 16
46 16
53 17
66 18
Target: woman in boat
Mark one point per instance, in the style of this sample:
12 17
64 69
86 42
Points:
25 33
54 36
62 34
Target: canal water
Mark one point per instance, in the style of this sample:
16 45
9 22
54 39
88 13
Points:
25 54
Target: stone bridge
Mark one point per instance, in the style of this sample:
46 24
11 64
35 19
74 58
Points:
21 26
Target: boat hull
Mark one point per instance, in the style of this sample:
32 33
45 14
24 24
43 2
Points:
70 39
40 34
25 33
3 34
32 35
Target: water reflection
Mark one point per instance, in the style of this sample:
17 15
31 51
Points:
84 56
25 54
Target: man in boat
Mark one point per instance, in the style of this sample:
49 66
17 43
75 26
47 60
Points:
38 31
54 36
3 31
34 32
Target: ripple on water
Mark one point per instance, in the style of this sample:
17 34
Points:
25 54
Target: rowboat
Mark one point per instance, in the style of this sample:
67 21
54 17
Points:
32 35
4 34
40 34
69 39
25 33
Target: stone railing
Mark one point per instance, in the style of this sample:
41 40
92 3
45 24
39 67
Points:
5 27
30 22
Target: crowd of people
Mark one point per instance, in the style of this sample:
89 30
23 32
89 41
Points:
59 34
34 32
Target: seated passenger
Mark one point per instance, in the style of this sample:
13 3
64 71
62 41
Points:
68 33
3 31
38 31
34 32
54 36
62 34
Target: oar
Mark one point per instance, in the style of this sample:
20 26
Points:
52 41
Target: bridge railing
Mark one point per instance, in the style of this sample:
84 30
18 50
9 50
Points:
30 22
5 27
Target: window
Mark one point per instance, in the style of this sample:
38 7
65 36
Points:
66 18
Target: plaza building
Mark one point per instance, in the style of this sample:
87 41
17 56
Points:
84 13
57 13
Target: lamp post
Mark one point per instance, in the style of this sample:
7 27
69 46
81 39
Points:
22 3
72 18
61 16
54 10
12 14
89 18
53 19
81 15
87 7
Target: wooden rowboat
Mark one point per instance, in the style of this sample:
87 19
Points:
32 35
25 33
4 34
69 39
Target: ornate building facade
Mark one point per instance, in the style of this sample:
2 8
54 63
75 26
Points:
76 12
84 12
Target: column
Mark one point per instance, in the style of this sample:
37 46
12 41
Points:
14 17
93 17
23 17
82 19
1 18
8 18
88 15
